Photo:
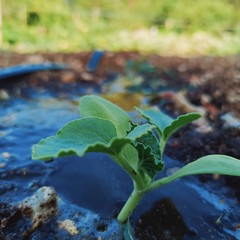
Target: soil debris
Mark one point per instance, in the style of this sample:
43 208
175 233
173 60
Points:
40 208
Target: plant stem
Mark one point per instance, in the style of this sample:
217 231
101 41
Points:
134 175
130 205
158 183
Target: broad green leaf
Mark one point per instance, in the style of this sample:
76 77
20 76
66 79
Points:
88 134
165 124
210 164
94 106
77 137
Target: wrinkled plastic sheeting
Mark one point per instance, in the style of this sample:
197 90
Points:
84 224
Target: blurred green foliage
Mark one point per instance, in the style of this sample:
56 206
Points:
152 26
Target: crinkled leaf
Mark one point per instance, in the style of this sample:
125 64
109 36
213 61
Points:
150 140
165 124
132 126
146 161
210 164
149 154
130 152
136 133
95 106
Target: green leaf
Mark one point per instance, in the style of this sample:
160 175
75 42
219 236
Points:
149 154
146 161
88 134
158 118
77 137
94 106
130 154
136 133
210 164
165 124
150 140
140 130
179 122
143 154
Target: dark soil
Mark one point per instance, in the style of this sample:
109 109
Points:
176 85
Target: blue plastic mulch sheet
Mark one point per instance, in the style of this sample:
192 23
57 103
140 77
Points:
19 70
94 60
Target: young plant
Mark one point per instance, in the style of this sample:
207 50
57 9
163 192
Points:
138 149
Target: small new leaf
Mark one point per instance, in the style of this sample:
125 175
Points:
147 161
149 154
140 130
166 125
158 118
179 122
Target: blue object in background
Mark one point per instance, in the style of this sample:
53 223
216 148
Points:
19 70
94 60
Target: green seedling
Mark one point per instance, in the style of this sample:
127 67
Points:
138 149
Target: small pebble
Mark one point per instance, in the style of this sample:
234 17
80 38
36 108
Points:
68 225
230 120
2 165
5 155
3 94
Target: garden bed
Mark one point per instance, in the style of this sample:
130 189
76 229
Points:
37 105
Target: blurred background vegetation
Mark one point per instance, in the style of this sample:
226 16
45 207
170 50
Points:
167 27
